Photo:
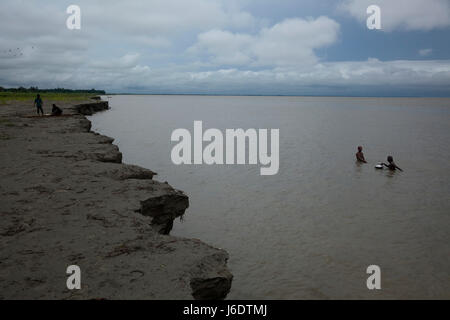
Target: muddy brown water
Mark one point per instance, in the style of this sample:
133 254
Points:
310 231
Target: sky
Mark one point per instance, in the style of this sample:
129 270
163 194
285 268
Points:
245 47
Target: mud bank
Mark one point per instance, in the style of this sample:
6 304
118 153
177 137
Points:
67 198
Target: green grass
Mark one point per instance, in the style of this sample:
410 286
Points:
6 97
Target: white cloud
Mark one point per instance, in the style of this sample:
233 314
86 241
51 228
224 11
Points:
141 45
289 43
161 19
224 46
44 52
425 52
127 61
371 72
130 75
154 42
403 14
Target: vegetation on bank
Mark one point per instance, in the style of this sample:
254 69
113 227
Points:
59 94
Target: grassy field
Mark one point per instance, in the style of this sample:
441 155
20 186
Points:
6 97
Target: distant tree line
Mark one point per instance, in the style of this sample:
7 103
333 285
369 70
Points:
57 90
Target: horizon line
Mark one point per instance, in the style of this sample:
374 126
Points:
271 95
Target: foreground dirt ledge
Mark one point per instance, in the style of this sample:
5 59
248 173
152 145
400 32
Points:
66 199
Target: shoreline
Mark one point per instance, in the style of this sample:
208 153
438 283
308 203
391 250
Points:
67 199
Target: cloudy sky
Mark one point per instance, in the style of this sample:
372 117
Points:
294 47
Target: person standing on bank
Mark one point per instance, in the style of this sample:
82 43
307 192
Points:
38 103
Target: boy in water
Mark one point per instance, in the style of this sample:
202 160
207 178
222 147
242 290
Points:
391 166
360 155
38 103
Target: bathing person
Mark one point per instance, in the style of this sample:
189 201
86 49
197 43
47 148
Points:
56 111
391 166
360 155
38 103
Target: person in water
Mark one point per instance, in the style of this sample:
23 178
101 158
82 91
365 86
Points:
360 155
391 166
56 111
38 103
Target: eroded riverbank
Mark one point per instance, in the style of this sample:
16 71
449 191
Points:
67 198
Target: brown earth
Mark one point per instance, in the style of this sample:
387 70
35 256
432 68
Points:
66 198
